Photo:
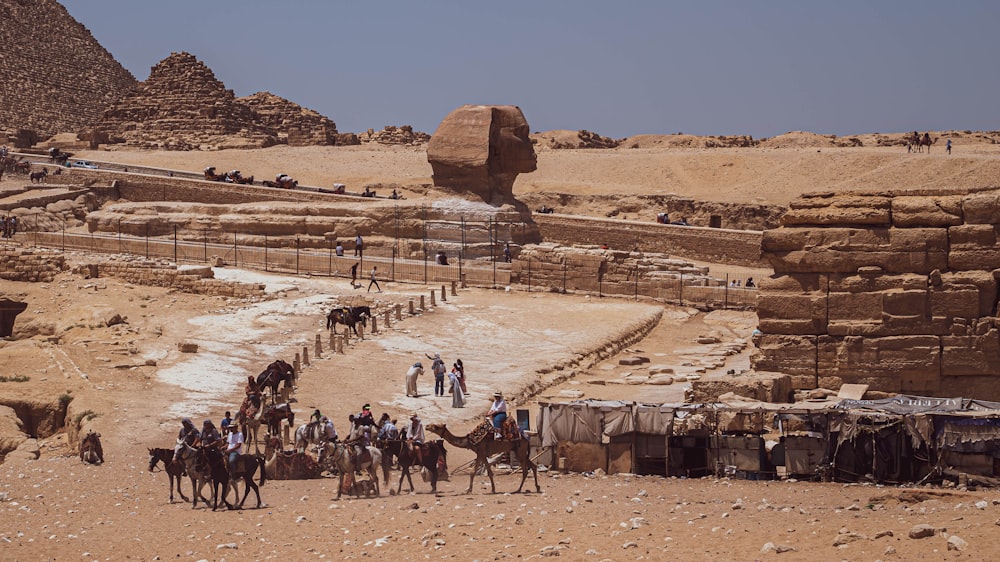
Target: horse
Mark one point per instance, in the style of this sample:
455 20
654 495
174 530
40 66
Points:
196 466
90 448
174 470
245 468
213 463
273 415
38 176
360 314
22 167
274 374
342 453
309 434
433 456
341 316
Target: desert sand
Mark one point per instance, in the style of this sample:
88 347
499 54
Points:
139 385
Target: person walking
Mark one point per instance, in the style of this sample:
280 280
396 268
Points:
947 146
411 378
374 280
354 276
506 253
457 396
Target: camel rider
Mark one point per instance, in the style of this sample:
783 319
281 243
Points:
188 435
234 446
415 436
498 412
210 436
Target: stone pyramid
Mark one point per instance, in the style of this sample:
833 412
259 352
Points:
291 122
182 106
54 76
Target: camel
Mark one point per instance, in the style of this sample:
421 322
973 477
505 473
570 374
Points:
281 465
487 447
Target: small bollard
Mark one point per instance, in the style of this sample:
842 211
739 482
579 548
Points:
305 354
333 341
387 324
422 306
444 294
340 344
374 324
361 331
347 335
297 363
463 280
432 299
453 292
399 312
411 308
319 346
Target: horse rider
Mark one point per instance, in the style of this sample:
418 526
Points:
188 435
226 421
316 416
497 413
365 417
387 429
234 446
329 432
415 436
210 436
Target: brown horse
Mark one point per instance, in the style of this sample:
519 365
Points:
433 458
38 176
483 441
174 470
273 415
90 448
274 374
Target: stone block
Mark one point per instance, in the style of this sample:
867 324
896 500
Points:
972 236
837 216
905 303
860 307
795 282
955 301
974 259
853 358
789 354
863 284
917 211
970 355
981 208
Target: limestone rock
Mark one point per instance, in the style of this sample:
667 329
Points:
480 149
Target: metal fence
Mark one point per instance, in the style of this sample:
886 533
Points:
418 265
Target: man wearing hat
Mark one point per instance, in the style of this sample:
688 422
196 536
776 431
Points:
234 446
498 411
411 378
415 435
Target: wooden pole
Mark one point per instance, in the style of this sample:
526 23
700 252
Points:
305 354
432 300
319 346
453 288
444 294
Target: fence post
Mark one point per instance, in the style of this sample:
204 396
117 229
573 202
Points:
296 255
147 240
374 324
432 299
564 276
453 289
319 346
305 354
725 293
235 249
387 324
175 243
680 291
444 294
399 311
265 252
204 242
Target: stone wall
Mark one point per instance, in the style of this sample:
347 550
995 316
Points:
897 290
189 279
716 245
33 265
54 76
606 271
391 134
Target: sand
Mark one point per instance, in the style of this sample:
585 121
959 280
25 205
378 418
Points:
58 508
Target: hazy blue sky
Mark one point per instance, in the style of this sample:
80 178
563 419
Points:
616 68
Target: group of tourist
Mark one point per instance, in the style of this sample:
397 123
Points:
230 439
456 377
749 284
8 226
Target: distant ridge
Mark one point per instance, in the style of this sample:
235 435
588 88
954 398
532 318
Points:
54 76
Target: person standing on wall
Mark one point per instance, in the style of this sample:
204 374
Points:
359 246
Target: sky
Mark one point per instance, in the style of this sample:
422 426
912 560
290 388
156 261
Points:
618 69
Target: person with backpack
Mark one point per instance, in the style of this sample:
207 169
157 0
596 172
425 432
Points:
438 368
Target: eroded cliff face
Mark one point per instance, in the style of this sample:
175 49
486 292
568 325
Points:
478 150
895 289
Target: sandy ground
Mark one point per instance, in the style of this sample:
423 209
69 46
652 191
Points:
139 384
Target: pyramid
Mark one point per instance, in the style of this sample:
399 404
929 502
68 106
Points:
291 122
54 76
183 106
